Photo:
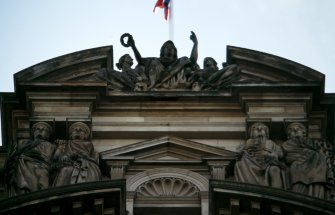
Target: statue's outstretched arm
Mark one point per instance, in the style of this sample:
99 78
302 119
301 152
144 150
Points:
194 53
131 43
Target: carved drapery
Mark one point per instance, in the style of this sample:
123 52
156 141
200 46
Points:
308 167
309 161
75 159
167 72
259 159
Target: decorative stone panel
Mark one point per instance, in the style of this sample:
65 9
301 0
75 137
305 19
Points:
167 187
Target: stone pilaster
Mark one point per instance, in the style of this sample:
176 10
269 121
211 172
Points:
130 202
204 203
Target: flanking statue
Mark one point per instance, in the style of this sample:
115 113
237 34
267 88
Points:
259 159
310 167
75 160
211 78
134 78
27 166
126 79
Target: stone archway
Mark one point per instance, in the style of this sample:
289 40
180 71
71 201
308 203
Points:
168 184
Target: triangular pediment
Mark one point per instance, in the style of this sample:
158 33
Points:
168 157
169 153
167 148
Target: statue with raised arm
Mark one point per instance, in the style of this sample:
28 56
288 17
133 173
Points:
27 167
309 169
168 71
259 159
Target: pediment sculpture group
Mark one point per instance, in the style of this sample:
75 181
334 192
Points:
167 72
300 164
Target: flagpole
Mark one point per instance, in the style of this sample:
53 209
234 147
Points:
171 21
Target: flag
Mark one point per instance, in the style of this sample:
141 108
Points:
159 4
163 4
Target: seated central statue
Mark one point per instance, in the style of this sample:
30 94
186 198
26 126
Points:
168 71
259 161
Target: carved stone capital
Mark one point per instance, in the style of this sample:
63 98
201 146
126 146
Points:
218 169
118 169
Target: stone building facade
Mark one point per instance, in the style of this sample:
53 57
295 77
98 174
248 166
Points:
170 140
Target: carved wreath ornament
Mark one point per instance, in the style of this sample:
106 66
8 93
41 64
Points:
122 39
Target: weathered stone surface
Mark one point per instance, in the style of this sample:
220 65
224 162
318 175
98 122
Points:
163 120
75 160
27 166
310 162
259 159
